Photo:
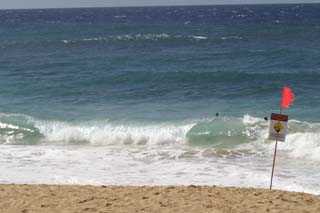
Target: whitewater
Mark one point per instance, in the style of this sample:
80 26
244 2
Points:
222 151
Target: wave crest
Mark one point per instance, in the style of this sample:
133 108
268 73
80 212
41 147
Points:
150 37
247 134
113 134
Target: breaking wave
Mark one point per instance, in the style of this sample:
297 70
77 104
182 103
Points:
231 38
223 133
127 38
150 37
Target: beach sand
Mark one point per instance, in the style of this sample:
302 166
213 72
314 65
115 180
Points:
61 198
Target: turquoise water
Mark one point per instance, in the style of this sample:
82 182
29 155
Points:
149 81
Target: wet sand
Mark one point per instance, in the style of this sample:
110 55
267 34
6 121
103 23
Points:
68 199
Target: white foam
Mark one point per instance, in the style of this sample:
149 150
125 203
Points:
199 37
302 145
302 140
120 16
9 133
247 119
114 134
154 164
8 126
135 37
11 126
231 38
158 165
92 39
121 38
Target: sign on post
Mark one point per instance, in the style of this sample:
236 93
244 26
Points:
278 127
278 124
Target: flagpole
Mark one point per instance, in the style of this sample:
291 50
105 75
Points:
274 156
287 98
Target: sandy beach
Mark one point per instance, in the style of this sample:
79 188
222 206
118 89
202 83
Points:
63 198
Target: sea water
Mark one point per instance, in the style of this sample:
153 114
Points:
129 96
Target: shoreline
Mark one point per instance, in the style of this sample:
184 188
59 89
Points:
28 198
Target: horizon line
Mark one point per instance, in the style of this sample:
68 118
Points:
131 6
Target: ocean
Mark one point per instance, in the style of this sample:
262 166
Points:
129 96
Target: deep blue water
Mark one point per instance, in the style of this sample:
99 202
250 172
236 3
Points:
160 63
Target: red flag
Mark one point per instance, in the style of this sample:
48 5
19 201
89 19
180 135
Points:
287 97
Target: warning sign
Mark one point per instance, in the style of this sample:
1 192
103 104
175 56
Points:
278 127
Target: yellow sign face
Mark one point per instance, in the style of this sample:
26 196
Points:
278 127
